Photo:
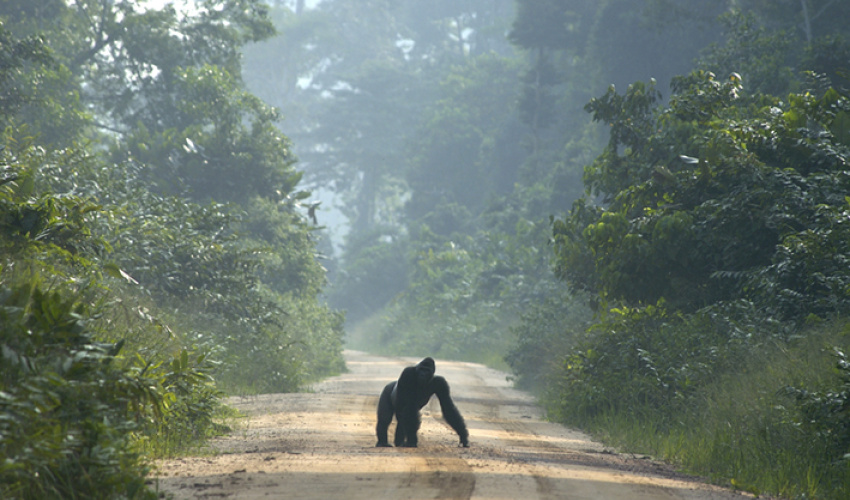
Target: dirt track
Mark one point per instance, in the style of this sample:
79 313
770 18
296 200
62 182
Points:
321 446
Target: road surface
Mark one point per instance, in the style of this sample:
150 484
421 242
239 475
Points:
321 446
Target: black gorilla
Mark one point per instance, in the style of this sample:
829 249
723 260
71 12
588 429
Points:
407 396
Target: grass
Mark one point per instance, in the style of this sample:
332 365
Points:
744 430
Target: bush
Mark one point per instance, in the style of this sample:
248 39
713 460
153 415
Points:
546 332
67 411
825 413
643 360
733 401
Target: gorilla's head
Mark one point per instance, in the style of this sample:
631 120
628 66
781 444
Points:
425 369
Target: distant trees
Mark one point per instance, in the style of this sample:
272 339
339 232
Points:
409 132
432 126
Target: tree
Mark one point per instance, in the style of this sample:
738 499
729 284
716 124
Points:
707 198
464 154
196 185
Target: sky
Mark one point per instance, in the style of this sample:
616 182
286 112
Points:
155 4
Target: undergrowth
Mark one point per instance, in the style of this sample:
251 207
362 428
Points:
776 422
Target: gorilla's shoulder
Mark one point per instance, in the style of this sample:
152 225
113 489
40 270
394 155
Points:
439 383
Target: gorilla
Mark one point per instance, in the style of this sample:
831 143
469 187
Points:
405 397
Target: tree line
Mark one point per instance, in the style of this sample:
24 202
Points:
155 251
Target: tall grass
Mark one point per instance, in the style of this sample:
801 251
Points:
746 429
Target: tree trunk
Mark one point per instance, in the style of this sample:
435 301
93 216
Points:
807 22
366 203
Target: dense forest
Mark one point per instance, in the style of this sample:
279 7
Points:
640 208
155 248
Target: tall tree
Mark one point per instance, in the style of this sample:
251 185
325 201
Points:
709 197
465 154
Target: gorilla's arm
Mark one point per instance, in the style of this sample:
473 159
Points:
440 387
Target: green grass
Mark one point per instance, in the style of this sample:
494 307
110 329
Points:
744 429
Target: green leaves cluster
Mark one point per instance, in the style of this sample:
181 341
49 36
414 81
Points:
713 200
67 408
713 234
466 292
826 414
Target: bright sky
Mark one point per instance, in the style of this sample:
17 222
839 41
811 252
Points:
178 3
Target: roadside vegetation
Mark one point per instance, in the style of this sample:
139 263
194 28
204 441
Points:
717 267
154 255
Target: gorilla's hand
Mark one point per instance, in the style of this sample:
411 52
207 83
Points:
464 441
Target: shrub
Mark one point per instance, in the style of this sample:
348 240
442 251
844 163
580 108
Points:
67 410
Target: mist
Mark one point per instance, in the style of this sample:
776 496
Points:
419 127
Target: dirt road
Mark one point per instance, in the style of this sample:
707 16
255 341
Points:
321 446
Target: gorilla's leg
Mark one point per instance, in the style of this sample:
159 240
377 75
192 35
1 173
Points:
409 423
385 415
399 432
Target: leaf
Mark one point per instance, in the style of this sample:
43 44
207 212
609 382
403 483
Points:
26 188
840 127
116 272
184 360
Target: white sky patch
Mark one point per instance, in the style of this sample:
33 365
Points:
190 4
405 45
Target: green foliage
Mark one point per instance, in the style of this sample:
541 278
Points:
375 274
285 246
190 405
29 217
556 325
706 200
830 56
247 301
38 91
130 58
762 56
752 426
67 410
221 144
14 59
466 292
826 414
721 235
645 360
541 25
128 298
461 155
